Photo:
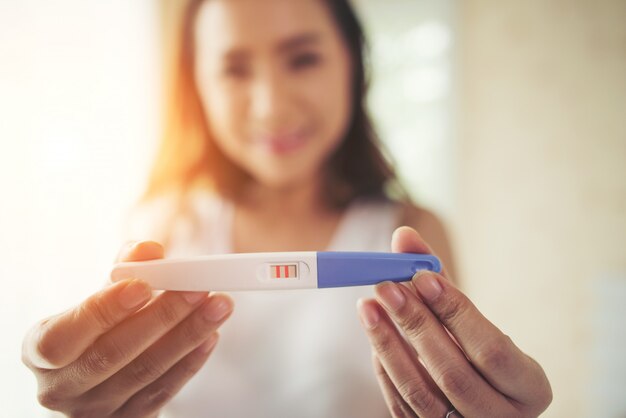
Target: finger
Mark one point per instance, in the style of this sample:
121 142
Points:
492 352
140 251
58 341
442 358
46 344
409 377
394 401
407 240
165 353
125 342
153 397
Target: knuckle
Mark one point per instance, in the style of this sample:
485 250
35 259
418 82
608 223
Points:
417 395
160 392
456 382
415 323
102 359
96 363
157 397
384 345
190 367
97 312
380 372
51 398
167 313
544 390
85 413
398 409
192 332
452 310
146 369
495 356
547 398
548 394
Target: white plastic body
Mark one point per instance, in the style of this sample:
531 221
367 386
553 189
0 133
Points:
252 271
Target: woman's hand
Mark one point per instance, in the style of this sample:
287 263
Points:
122 352
451 358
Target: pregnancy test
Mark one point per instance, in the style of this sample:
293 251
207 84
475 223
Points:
274 271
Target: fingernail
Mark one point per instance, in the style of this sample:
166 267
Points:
134 294
35 355
208 345
391 296
216 310
193 297
427 285
368 314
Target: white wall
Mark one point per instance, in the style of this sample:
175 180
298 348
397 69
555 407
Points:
542 181
413 93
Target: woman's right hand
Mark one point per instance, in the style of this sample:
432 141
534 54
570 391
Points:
122 352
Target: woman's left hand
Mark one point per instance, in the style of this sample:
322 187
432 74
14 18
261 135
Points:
451 360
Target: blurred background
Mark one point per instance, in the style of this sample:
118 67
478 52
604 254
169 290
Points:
507 118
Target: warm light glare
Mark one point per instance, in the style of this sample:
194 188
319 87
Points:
79 103
80 91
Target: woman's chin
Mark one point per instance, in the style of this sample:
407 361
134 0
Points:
283 180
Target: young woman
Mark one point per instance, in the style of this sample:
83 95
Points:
268 148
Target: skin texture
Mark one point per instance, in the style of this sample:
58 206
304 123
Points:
444 353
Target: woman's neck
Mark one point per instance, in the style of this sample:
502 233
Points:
286 219
293 201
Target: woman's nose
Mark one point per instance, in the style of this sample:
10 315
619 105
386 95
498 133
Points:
269 99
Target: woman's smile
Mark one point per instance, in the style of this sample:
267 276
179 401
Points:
283 143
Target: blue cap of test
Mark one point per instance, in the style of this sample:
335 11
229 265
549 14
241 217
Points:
338 269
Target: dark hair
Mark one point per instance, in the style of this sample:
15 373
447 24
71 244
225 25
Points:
188 155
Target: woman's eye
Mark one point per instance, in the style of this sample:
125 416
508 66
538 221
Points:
235 71
303 61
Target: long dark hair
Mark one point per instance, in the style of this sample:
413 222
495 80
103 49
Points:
189 157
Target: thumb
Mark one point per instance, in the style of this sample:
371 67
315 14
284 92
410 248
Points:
140 251
407 240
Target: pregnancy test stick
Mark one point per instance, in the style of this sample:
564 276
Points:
274 271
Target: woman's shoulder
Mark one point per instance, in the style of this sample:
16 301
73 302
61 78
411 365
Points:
420 218
432 229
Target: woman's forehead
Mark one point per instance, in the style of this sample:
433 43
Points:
224 26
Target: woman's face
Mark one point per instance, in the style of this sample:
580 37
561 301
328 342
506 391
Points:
274 77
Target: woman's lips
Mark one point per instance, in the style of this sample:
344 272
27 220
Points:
284 143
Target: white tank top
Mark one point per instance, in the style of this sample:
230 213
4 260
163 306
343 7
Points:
299 353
